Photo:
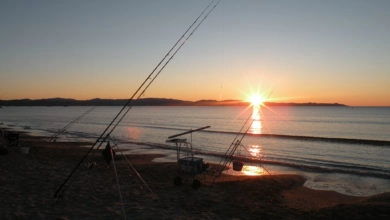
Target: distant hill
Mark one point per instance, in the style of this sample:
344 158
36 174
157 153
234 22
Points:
90 102
143 102
301 104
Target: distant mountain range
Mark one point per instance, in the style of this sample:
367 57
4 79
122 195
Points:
143 102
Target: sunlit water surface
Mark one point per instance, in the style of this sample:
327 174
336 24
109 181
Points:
277 137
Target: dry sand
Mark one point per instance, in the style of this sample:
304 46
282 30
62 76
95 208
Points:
28 183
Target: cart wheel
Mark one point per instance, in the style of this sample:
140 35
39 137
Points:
177 181
195 184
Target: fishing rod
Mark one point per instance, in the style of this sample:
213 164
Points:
234 145
122 113
54 137
151 77
166 63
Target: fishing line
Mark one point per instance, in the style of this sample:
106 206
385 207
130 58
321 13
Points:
118 185
233 146
54 137
131 166
104 135
148 78
151 77
138 174
170 58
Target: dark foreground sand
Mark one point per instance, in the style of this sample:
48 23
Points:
28 183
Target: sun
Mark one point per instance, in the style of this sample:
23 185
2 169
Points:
256 99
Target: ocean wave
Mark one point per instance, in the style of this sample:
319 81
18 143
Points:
293 162
310 166
287 136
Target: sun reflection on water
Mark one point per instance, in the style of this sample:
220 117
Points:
255 150
133 132
251 170
256 125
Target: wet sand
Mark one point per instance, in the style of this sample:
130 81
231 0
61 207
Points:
28 183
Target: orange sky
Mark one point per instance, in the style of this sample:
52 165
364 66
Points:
291 51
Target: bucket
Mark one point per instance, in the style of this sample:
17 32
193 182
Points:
237 165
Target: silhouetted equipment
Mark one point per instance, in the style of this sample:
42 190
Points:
108 153
188 132
188 165
237 165
229 154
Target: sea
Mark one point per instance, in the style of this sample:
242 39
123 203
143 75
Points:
338 148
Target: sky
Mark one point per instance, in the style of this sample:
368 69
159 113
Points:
287 50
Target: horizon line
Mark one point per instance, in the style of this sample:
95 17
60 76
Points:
238 101
225 102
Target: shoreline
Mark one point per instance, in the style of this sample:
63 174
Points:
346 182
304 168
29 181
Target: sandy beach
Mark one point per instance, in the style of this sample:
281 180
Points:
28 182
